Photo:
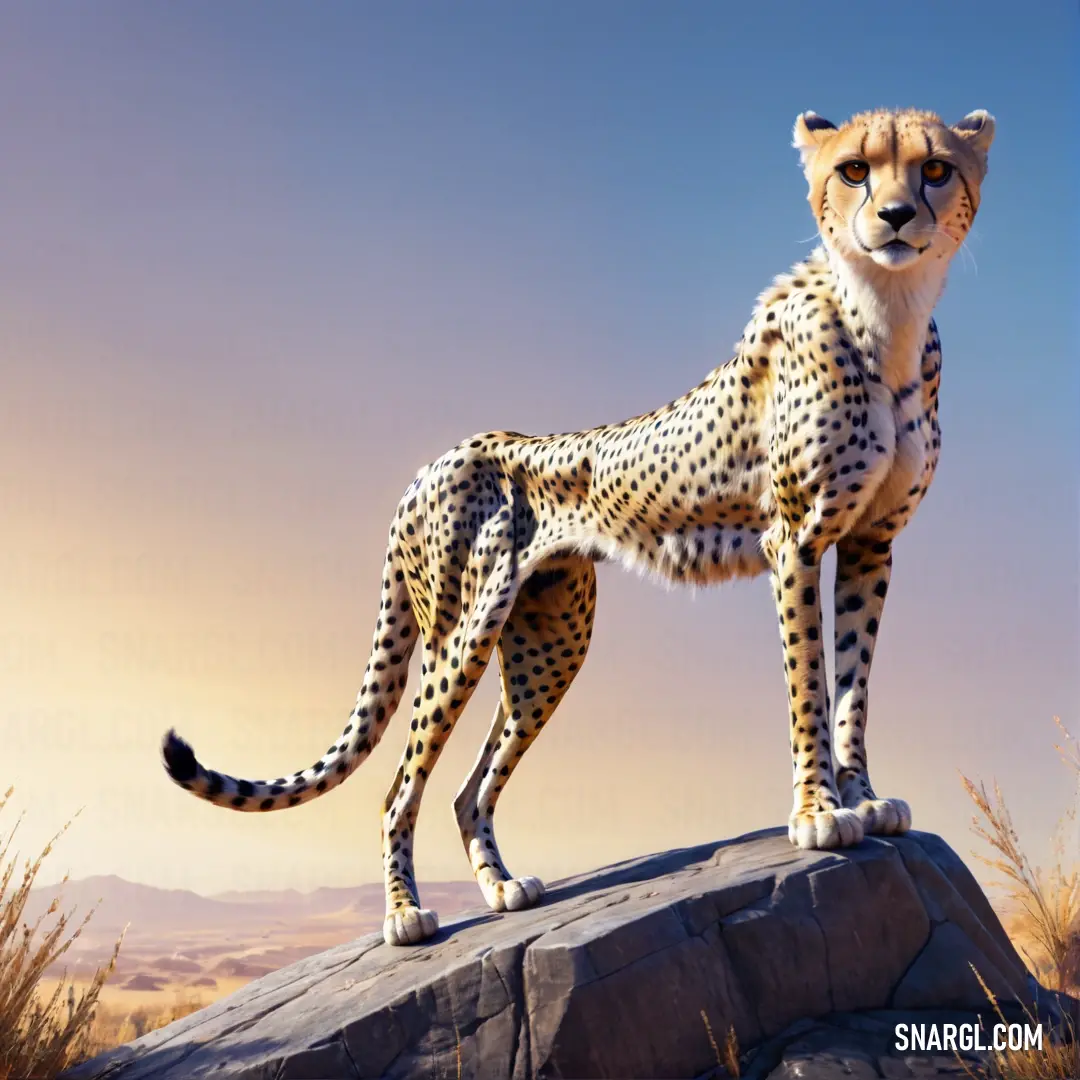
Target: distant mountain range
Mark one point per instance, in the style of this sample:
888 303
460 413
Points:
149 909
177 939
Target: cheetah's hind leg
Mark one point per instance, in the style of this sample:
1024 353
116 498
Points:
446 685
542 647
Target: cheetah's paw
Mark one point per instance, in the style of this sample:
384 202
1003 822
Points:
884 817
513 894
409 926
824 829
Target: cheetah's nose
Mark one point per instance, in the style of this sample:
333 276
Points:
897 214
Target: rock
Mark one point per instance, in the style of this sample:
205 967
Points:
176 965
636 970
142 981
857 1046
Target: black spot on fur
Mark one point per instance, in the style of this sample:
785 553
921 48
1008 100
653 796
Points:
542 580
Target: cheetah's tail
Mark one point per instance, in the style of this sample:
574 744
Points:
396 633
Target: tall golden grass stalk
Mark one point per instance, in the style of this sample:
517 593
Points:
730 1059
712 1039
1070 752
38 1038
731 1052
1047 905
1059 1060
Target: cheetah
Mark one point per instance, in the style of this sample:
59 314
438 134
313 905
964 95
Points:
820 431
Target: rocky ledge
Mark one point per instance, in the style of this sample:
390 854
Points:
637 970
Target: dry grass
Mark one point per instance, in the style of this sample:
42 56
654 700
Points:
729 1061
1045 922
1054 1061
113 1027
731 1052
39 1038
1070 752
1044 908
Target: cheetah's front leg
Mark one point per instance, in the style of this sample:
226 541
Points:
863 567
817 819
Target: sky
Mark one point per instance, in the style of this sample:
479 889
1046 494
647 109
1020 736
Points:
261 262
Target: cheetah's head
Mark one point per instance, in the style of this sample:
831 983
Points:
899 188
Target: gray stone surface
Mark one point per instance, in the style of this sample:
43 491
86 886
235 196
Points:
857 1046
616 973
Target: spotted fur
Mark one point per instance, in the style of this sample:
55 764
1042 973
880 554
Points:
821 430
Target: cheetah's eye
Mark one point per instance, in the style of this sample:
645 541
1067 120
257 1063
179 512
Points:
854 172
936 172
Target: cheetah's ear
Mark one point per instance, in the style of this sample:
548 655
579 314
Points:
977 130
810 132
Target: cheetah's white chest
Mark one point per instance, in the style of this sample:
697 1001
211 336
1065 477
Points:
911 460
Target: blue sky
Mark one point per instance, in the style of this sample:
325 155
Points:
263 261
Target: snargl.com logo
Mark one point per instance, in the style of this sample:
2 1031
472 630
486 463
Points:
965 1037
